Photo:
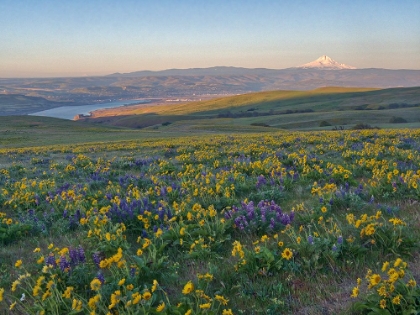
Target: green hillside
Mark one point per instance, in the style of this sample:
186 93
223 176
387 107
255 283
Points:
16 104
284 109
18 131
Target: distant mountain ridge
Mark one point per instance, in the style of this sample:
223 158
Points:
210 71
240 80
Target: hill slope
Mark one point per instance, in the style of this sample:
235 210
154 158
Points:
16 104
249 108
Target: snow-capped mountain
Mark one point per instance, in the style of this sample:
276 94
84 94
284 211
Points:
325 63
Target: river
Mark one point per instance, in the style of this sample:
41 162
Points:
69 112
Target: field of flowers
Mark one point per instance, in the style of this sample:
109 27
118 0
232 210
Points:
282 223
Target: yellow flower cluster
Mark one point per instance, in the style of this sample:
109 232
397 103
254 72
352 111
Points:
390 287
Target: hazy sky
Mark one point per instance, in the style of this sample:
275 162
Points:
95 37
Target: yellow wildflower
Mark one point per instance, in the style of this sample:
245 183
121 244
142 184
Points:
95 284
397 262
287 254
160 307
155 284
221 299
382 303
375 279
396 300
385 266
355 292
67 292
188 288
382 291
147 295
205 306
12 306
136 298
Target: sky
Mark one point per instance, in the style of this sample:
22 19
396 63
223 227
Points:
50 38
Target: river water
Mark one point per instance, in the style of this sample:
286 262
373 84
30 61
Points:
69 112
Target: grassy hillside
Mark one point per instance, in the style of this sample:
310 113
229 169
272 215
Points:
283 109
18 131
253 224
22 131
16 104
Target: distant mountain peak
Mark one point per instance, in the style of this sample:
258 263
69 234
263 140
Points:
325 63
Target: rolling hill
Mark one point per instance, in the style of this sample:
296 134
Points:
17 104
280 109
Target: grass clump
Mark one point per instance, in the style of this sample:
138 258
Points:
397 120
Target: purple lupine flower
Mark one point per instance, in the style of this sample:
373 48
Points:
340 240
74 256
64 264
285 220
310 239
81 254
228 215
347 186
263 219
51 260
163 191
161 214
100 277
272 224
261 181
291 216
372 199
334 248
132 272
96 259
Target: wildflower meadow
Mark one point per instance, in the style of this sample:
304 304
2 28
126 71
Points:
274 223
